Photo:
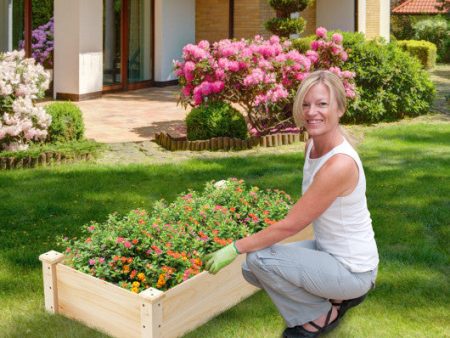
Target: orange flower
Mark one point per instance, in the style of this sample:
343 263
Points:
269 221
115 258
266 212
126 268
222 241
161 281
141 221
232 209
135 241
130 260
141 276
133 274
123 259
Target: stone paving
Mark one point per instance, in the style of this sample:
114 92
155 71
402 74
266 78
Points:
128 121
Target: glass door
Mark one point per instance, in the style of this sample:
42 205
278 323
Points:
139 41
127 44
112 43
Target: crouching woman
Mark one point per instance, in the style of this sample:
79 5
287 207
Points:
313 283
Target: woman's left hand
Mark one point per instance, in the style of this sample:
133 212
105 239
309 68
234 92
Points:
221 258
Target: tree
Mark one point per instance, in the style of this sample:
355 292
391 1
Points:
283 25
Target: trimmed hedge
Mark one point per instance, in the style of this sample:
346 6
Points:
425 51
215 119
391 84
67 122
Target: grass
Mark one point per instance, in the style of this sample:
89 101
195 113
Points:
407 168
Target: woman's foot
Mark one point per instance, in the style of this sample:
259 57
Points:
344 305
321 321
323 324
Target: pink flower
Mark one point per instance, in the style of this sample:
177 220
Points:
204 44
344 56
337 38
91 228
321 32
101 260
91 261
127 244
313 56
119 240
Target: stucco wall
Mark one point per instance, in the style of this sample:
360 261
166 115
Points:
338 14
212 20
174 28
78 67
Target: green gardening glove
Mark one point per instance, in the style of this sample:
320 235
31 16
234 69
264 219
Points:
221 258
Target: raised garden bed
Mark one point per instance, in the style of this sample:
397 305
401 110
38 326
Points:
227 143
43 159
151 313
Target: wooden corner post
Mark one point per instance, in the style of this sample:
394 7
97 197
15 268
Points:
151 313
49 261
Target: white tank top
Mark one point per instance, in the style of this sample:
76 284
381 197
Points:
345 229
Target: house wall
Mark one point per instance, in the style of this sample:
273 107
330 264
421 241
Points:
249 18
5 25
338 14
78 67
212 20
174 28
309 14
372 18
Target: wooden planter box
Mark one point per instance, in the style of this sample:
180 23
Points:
151 313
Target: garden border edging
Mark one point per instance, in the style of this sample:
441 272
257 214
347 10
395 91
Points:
227 143
43 159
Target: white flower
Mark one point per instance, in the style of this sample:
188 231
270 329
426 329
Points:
220 184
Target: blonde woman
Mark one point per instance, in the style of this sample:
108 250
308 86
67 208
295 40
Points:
313 283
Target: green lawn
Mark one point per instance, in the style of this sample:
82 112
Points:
408 173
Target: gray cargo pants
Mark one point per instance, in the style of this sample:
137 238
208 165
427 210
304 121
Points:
300 279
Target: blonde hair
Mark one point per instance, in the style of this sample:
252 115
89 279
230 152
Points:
337 96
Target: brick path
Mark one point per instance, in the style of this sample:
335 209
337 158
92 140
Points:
133 116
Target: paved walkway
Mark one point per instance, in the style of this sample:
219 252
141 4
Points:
128 121
133 116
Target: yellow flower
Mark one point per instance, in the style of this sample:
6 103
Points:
161 281
135 284
141 276
135 290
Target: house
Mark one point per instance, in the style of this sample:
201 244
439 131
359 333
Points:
104 45
420 7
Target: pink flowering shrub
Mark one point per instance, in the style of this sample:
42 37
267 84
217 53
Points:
21 82
165 247
262 76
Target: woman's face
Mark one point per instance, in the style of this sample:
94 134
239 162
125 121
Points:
319 114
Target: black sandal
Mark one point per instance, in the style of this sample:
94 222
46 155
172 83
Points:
347 304
300 332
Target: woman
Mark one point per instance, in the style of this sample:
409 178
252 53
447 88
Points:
313 283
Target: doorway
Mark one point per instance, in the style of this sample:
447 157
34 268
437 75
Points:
128 56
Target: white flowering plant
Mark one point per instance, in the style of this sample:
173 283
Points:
22 81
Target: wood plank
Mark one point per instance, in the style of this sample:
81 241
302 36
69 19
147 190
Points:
98 304
197 300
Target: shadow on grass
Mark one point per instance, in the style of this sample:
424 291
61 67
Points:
407 175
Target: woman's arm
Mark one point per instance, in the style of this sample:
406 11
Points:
337 177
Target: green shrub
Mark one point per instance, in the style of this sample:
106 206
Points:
434 30
67 122
285 26
425 51
214 120
391 84
303 44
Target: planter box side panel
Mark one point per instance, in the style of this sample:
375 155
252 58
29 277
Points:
194 302
97 303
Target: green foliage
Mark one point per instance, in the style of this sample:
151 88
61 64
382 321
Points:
67 122
42 11
215 119
303 44
285 26
423 50
165 247
435 30
391 84
68 149
286 7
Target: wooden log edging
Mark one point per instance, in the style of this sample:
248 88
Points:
227 143
44 159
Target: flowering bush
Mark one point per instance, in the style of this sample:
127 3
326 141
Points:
165 247
42 43
21 81
260 75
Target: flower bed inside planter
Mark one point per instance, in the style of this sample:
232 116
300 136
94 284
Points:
151 313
